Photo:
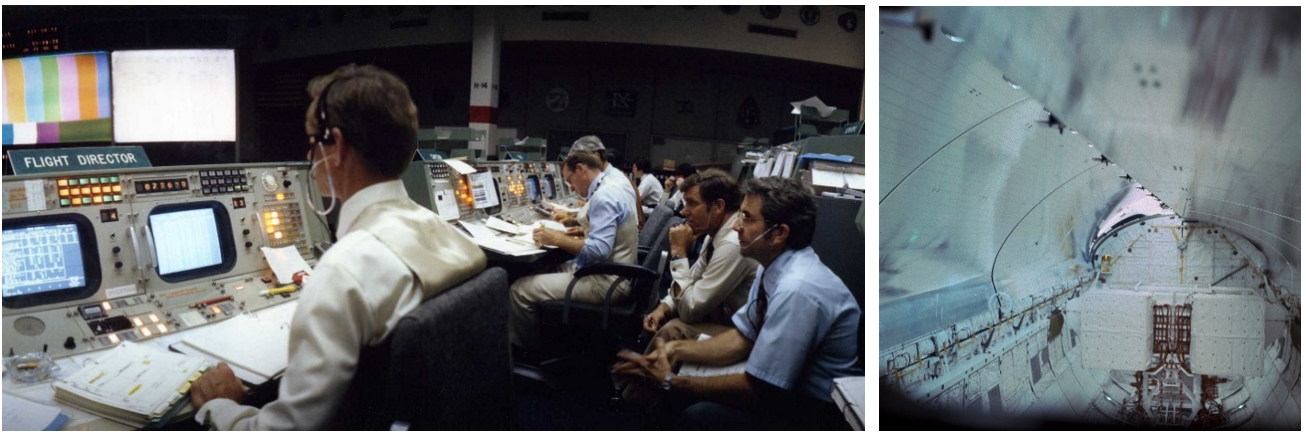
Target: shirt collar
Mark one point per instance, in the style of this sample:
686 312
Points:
377 192
772 274
594 185
727 227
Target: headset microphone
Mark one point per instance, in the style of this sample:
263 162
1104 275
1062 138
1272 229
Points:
754 241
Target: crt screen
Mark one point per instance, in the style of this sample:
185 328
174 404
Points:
43 258
185 240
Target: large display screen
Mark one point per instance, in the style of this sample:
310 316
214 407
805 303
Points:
49 259
55 99
190 241
174 95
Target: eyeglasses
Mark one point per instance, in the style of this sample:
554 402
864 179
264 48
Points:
750 220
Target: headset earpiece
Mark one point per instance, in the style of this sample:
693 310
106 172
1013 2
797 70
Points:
324 130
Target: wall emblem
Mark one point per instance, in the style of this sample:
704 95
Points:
557 99
621 102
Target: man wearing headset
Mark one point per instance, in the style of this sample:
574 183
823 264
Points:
797 332
392 254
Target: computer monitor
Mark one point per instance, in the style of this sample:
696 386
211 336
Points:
191 240
485 190
548 187
49 259
533 188
54 99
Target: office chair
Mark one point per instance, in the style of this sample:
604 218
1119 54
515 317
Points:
447 365
656 225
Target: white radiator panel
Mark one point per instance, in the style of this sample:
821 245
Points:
1116 330
1228 334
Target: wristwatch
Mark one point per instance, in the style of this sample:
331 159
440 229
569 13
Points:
666 382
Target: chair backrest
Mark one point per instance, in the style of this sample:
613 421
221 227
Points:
656 225
656 261
446 365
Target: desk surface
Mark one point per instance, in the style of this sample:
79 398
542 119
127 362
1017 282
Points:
43 392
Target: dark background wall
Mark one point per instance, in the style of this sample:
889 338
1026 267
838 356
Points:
686 97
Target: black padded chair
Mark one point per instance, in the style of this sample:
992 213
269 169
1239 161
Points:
656 225
446 365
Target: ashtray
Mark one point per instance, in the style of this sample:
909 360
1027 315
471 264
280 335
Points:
30 367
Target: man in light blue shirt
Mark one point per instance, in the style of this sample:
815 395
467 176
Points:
797 331
611 235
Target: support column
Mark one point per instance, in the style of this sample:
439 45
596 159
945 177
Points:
484 106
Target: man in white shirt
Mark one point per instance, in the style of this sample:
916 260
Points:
392 254
705 295
675 196
650 191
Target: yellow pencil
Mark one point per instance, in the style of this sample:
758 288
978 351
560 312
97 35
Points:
138 387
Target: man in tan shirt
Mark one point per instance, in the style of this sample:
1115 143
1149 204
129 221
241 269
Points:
703 296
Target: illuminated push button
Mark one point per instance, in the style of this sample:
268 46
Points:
65 202
117 188
117 197
95 189
113 179
63 192
277 235
97 199
274 214
104 180
271 229
85 181
145 331
281 196
108 198
216 310
162 329
106 306
154 318
276 221
137 321
86 200
113 337
63 182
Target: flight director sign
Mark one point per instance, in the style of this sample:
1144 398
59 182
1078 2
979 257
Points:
62 160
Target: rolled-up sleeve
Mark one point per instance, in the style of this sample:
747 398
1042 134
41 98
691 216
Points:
791 330
704 288
606 212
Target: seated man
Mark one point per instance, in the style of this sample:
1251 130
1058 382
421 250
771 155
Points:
797 333
674 196
611 236
591 144
392 254
717 285
650 191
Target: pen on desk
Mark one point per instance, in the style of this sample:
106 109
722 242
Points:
282 290
211 302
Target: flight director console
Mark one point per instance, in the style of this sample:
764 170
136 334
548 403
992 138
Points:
509 189
91 260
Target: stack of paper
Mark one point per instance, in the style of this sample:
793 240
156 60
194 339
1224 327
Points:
696 370
487 239
137 385
850 394
255 345
23 415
